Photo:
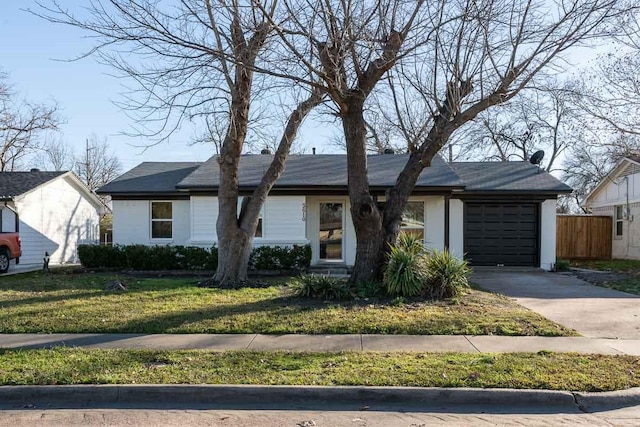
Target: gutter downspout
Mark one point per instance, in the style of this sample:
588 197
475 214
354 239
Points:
447 199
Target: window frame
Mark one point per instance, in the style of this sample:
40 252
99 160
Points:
152 220
618 218
260 225
424 217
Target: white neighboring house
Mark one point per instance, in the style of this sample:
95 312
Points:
54 212
490 213
618 196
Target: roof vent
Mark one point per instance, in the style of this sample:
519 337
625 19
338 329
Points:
389 151
34 170
265 151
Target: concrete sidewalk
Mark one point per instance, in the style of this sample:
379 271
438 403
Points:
317 343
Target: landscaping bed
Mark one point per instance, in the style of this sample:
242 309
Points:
552 371
77 303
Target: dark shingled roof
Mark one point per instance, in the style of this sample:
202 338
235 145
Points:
150 178
327 171
323 170
508 177
13 184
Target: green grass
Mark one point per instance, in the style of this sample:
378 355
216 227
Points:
614 265
77 303
543 370
631 286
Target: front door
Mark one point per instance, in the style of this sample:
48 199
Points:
331 231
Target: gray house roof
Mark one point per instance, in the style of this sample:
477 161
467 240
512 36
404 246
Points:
13 184
322 171
151 178
521 177
326 172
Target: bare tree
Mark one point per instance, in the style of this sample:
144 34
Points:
22 124
546 117
460 58
97 165
56 155
204 54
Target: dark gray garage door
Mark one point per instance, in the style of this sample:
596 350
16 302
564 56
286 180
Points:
501 233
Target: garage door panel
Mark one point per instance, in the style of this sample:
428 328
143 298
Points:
501 233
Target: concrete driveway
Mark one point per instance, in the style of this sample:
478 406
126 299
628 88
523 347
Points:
592 311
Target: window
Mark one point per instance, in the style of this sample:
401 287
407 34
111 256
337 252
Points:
619 218
259 227
412 218
161 220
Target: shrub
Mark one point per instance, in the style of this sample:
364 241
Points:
322 287
562 265
405 272
141 257
368 290
447 276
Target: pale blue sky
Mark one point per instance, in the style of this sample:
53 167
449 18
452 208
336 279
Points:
29 47
29 50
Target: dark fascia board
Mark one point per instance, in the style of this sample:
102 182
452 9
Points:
506 196
150 196
321 190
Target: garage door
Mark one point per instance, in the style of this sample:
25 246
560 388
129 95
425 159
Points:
501 234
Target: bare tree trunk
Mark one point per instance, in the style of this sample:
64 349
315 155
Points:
235 232
367 218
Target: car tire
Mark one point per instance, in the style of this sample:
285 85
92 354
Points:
4 261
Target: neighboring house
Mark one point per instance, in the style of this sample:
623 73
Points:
494 213
618 196
52 211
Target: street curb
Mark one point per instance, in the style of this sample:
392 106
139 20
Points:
597 402
276 396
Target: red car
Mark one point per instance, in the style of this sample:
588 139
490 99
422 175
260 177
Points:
10 248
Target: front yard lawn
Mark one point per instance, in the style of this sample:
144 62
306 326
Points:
614 265
542 370
77 303
623 274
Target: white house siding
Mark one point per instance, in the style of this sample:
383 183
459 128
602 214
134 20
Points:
434 221
132 222
8 219
55 218
282 221
613 193
456 228
548 234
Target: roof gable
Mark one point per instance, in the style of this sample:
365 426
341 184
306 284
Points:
625 166
13 184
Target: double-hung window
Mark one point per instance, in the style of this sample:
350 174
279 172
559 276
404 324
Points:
161 220
619 220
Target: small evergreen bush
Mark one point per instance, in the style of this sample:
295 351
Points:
562 265
405 272
447 276
141 257
322 287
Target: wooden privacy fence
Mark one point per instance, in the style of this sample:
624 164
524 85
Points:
583 237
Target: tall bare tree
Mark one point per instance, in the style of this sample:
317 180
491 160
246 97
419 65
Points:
98 164
460 58
22 126
56 155
197 59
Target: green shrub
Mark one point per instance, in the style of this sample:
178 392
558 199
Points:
447 276
405 272
322 287
562 265
368 290
141 257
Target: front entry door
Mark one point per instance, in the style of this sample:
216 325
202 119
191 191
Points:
331 231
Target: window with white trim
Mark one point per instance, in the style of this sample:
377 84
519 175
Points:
161 220
259 230
619 220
